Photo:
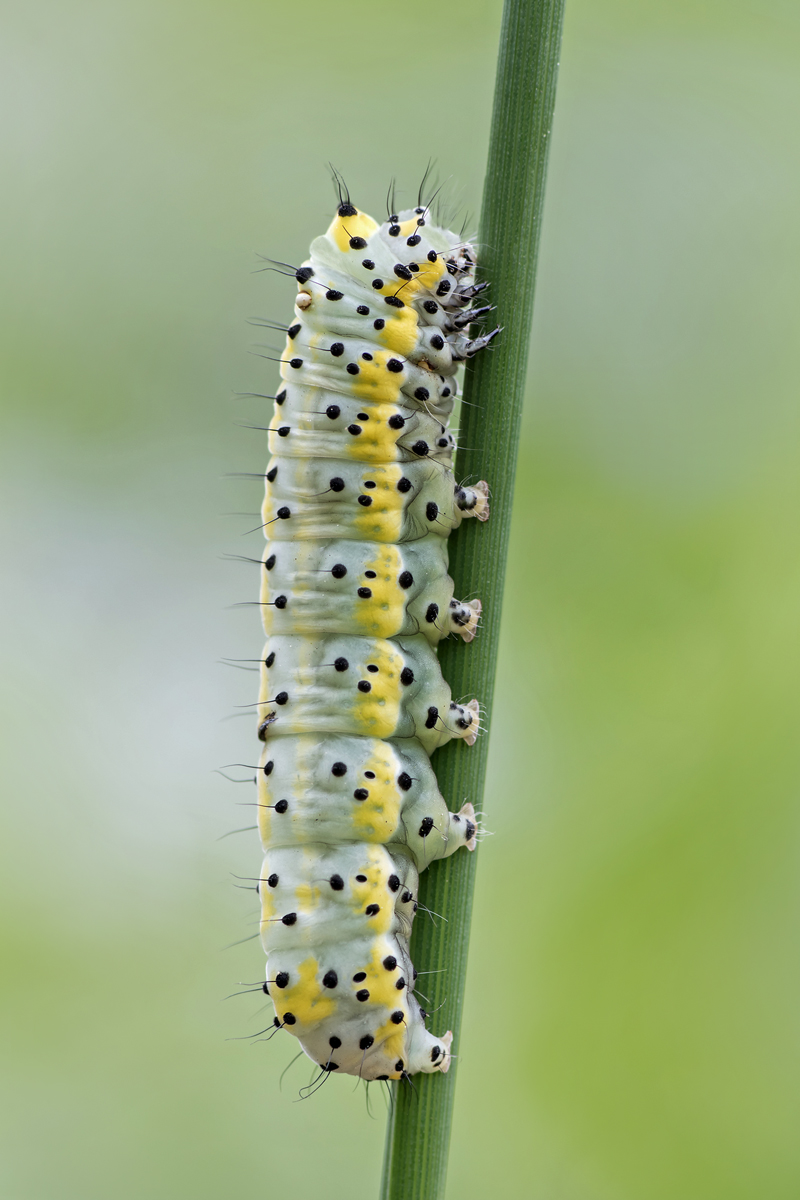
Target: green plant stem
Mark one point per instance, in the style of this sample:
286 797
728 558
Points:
418 1135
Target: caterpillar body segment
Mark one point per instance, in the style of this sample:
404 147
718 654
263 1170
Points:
359 501
381 502
368 687
315 423
373 588
355 789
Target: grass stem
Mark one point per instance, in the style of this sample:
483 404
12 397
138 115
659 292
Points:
418 1134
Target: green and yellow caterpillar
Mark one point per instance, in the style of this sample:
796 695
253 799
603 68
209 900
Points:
360 500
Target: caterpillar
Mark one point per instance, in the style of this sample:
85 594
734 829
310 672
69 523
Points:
360 499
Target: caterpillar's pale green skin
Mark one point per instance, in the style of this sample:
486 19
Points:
355 594
309 588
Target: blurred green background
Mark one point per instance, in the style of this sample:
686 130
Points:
631 1029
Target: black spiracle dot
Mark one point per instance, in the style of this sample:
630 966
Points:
336 484
362 994
271 473
370 483
397 1017
332 294
446 391
390 962
394 365
270 563
364 685
282 979
339 769
437 341
293 331
370 575
405 579
377 284
273 880
426 826
281 396
372 910
360 794
336 882
373 668
365 501
282 806
379 324
404 781
396 421
401 272
358 243
282 698
393 301
431 307
443 288
289 919
341 664
432 717
404 484
421 448
368 264
406 897
369 774
364 593
280 602
401 983
414 240
422 393
269 767
352 368
406 676
354 429
346 209
366 1041
362 310
394 883
361 878
330 979
431 510
431 613
332 411
337 349
296 363
270 659
303 274
334 1042
431 253
284 513
366 356
289 1018
338 570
